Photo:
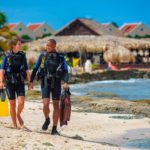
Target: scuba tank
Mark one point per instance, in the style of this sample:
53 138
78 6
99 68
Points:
50 68
16 66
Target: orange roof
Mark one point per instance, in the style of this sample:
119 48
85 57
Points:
33 26
128 27
11 25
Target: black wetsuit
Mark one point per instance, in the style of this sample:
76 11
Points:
51 63
18 65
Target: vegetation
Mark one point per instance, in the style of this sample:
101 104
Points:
115 24
24 47
26 38
94 66
5 32
139 37
3 46
3 19
31 62
45 35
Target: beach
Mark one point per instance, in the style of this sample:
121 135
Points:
85 130
102 118
99 52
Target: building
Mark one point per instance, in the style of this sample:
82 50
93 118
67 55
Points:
40 29
22 31
135 29
113 29
83 27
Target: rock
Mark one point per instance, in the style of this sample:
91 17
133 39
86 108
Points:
108 75
113 105
145 76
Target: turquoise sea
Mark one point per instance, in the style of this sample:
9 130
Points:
133 89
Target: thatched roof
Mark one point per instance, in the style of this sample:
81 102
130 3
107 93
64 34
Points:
95 27
93 44
2 38
119 54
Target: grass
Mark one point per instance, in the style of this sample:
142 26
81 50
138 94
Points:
143 101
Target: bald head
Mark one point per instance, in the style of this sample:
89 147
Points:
51 45
52 41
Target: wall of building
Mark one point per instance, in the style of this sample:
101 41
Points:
20 29
114 30
43 29
141 30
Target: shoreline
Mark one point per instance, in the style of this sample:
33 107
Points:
84 131
102 123
112 105
105 75
108 75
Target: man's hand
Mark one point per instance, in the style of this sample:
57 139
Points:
30 86
66 86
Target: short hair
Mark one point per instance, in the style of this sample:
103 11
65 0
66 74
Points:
52 41
14 41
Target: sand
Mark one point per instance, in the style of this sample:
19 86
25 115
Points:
85 131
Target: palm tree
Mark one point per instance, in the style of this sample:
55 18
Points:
3 19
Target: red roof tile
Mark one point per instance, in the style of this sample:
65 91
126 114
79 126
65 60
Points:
33 26
128 27
11 25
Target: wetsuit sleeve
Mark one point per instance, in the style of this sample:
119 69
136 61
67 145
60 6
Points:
65 68
26 65
3 65
36 67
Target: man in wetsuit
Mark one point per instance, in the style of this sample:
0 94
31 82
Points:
51 67
14 71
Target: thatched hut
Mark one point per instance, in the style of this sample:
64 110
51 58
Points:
119 54
98 45
2 38
82 26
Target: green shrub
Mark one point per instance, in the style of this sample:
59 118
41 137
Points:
3 46
147 36
31 66
45 35
94 66
0 60
26 38
139 37
31 62
24 47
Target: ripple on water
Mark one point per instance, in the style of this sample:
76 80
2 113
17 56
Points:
142 144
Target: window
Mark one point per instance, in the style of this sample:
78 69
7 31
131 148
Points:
20 29
44 29
110 29
141 29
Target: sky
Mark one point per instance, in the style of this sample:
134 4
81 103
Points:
58 13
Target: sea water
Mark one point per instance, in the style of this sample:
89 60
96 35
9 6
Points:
132 89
